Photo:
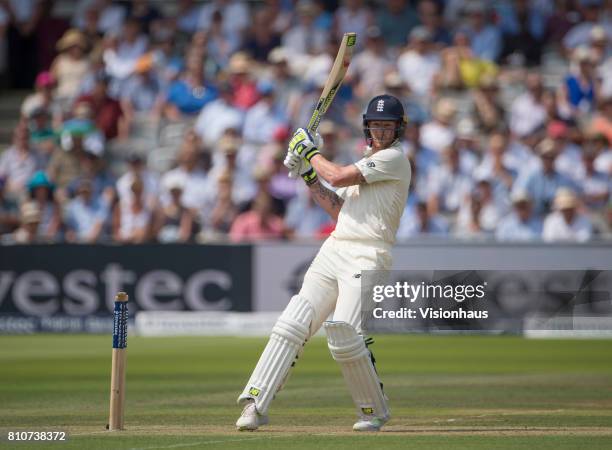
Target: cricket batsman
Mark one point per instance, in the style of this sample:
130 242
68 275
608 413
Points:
367 206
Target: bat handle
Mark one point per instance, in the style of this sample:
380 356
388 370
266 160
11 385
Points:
293 173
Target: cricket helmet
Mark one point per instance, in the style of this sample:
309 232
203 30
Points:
385 107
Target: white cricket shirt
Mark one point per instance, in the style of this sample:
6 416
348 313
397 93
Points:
372 211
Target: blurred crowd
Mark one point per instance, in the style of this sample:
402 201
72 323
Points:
168 121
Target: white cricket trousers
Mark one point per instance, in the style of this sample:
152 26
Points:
333 281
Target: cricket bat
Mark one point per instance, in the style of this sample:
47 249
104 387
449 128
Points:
334 80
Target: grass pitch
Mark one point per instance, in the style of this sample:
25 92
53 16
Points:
468 392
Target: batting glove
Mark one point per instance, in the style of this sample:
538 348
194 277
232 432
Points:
296 164
303 145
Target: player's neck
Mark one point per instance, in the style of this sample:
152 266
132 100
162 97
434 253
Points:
376 147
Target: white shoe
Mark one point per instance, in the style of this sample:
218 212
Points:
250 419
370 423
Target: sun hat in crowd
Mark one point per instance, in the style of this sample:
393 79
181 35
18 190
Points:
174 181
565 199
520 196
40 180
229 145
445 109
546 147
71 38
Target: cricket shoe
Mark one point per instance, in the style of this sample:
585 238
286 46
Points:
370 423
250 419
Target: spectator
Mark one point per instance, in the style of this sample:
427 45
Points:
566 223
490 211
41 130
304 218
9 211
218 116
262 38
122 52
527 112
220 43
562 18
592 16
190 93
43 98
469 222
174 222
421 223
449 75
145 13
70 66
64 166
28 231
187 16
353 16
109 15
224 210
595 185
600 46
431 18
137 171
423 160
603 161
235 16
132 219
602 120
569 159
438 133
288 87
304 38
17 163
418 66
244 86
494 166
485 37
22 21
259 223
41 192
190 170
395 20
263 118
108 113
542 182
467 143
93 170
578 91
488 110
523 26
141 92
86 215
334 148
226 161
369 66
280 186
521 224
448 185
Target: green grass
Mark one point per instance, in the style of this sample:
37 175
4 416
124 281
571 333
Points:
446 392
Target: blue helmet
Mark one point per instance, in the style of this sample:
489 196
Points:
385 107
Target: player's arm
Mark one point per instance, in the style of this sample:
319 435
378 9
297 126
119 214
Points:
303 145
326 199
336 175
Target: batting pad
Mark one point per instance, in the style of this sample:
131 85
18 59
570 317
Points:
286 341
349 349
